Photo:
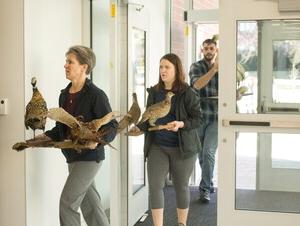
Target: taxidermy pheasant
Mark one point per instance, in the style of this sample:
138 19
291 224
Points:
132 116
36 110
215 37
81 133
157 110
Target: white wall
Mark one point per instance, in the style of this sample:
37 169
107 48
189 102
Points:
51 27
102 78
12 164
34 38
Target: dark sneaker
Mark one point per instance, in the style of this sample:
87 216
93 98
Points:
212 190
204 196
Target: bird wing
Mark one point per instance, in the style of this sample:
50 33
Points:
159 110
132 116
124 122
97 123
147 114
60 115
135 112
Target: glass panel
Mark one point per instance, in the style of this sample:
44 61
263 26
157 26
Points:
177 28
205 4
267 175
100 76
138 64
246 77
268 66
282 157
286 71
139 71
204 31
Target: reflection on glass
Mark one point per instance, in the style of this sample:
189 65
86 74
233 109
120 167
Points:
136 144
267 174
204 31
286 71
283 157
177 26
268 66
247 53
138 64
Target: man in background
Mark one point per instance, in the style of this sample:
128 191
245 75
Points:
204 78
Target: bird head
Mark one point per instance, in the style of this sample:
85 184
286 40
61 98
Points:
33 82
215 37
170 94
134 97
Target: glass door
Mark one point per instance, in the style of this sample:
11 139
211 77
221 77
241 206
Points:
204 23
202 32
99 39
137 78
259 123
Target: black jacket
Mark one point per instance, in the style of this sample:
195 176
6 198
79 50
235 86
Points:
91 103
187 109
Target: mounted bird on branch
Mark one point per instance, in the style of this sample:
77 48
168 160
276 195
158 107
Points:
36 110
157 110
82 134
133 115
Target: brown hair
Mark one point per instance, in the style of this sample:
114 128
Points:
209 42
179 82
84 55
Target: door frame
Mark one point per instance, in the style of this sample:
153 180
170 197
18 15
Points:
138 17
194 17
227 214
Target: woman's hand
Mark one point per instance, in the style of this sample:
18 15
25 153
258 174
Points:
91 144
175 125
135 129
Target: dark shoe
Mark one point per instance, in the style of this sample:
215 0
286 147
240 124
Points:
204 196
212 190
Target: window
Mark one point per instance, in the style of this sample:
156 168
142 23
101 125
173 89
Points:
177 28
205 4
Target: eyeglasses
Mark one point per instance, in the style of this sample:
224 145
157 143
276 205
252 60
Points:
209 48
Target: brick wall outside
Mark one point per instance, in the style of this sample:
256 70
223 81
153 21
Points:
178 25
205 4
177 28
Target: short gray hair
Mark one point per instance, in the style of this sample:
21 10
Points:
84 55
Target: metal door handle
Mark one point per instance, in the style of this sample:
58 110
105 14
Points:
273 124
248 123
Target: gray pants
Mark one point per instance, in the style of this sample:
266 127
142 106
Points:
162 160
80 191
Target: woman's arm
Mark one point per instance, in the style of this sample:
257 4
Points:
194 117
